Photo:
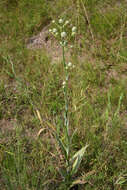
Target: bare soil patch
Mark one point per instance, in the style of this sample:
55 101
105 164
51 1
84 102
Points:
7 125
44 41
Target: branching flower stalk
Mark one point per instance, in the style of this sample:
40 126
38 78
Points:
63 33
65 91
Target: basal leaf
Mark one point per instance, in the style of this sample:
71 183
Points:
62 146
76 165
79 153
77 158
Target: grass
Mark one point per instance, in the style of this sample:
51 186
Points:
32 100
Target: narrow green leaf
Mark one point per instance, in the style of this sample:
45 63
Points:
77 158
79 153
76 165
62 146
75 131
6 150
119 104
121 180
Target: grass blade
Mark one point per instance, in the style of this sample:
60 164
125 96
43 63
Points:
77 158
62 146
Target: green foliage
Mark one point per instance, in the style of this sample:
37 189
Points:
30 158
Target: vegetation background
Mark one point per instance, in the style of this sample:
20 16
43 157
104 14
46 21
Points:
31 97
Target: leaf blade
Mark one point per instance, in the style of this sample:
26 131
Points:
62 146
76 159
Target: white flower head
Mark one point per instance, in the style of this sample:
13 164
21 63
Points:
53 21
67 22
63 34
64 83
56 33
60 21
54 30
61 43
74 29
69 64
50 30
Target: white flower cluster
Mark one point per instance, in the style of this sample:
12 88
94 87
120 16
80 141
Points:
73 31
61 21
69 65
67 22
61 32
63 43
64 84
53 31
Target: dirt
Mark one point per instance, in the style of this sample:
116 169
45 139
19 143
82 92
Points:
7 125
44 41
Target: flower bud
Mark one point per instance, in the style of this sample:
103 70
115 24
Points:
54 30
61 43
60 21
64 83
63 34
69 64
67 22
74 29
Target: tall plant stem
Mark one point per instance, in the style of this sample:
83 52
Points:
66 119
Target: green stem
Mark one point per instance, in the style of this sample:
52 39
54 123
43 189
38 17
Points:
66 119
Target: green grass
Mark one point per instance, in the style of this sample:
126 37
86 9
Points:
31 84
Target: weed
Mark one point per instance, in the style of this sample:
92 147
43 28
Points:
72 163
33 88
